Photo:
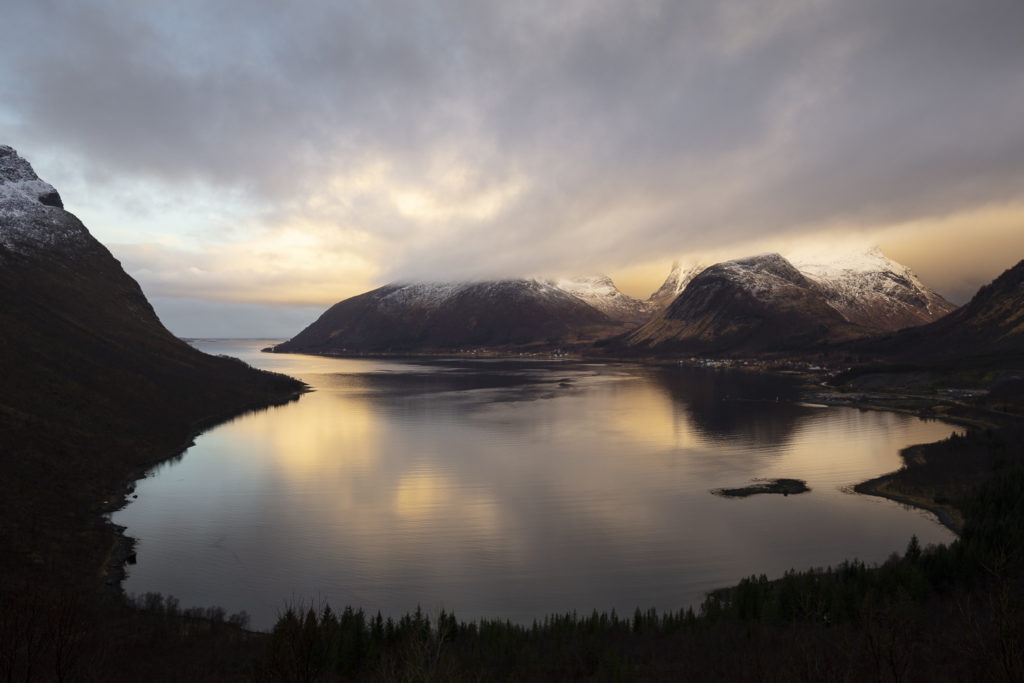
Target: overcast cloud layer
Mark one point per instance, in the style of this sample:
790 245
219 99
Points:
255 151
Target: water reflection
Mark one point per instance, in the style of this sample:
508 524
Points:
512 490
734 405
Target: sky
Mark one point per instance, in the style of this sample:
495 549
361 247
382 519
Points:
251 162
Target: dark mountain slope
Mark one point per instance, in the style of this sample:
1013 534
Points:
93 386
439 316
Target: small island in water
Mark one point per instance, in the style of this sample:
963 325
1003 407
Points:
783 486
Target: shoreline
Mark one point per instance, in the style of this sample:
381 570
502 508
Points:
122 551
948 516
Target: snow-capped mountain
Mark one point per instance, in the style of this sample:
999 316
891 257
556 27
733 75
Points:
768 302
74 321
94 387
32 214
452 315
600 292
874 291
866 287
754 303
424 316
991 323
760 303
674 284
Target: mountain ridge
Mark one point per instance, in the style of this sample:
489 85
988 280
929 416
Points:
992 322
445 316
843 297
873 291
754 304
600 292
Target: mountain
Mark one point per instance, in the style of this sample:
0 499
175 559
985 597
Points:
873 291
770 303
94 387
756 304
992 322
444 316
674 284
866 287
601 293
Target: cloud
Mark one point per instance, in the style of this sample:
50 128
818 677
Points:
461 138
299 264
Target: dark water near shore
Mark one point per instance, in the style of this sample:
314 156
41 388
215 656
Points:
512 489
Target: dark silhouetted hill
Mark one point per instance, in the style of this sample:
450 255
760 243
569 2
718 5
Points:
94 388
445 316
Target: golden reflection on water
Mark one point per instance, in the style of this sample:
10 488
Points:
853 446
329 436
651 417
424 495
578 488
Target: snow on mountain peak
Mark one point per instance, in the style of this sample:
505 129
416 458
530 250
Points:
871 289
589 287
20 187
675 283
766 276
598 291
31 211
831 265
853 269
435 293
430 293
865 286
601 293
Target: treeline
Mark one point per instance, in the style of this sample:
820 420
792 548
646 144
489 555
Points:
910 619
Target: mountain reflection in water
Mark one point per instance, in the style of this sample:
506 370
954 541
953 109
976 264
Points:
734 405
507 489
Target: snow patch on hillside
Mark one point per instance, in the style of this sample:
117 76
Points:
431 294
434 294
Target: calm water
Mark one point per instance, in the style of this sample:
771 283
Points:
512 490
